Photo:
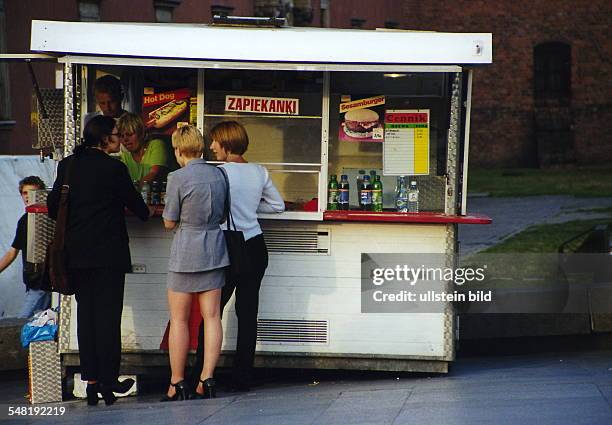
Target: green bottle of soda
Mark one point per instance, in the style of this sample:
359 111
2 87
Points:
332 193
377 194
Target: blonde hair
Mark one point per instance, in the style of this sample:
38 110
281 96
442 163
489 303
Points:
231 136
131 123
189 140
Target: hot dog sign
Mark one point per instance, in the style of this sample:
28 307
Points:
262 105
162 111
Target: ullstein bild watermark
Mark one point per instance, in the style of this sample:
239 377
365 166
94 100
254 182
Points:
486 283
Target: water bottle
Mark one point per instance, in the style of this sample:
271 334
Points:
401 195
343 193
413 197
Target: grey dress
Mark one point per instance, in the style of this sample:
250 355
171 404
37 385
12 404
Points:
195 197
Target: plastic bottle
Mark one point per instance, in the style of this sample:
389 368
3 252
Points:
413 197
332 193
359 181
155 193
365 193
162 194
401 195
145 192
343 193
377 194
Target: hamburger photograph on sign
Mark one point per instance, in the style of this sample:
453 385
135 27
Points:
361 120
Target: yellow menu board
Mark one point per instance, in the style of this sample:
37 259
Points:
406 145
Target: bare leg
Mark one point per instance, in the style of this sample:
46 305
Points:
178 339
213 333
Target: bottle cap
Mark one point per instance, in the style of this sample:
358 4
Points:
366 178
333 177
344 176
413 182
361 171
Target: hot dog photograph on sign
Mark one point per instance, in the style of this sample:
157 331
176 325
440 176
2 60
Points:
162 111
262 105
361 120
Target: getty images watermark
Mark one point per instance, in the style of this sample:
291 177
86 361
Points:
486 283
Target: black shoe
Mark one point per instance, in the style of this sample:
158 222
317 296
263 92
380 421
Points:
179 394
107 394
121 387
92 394
210 390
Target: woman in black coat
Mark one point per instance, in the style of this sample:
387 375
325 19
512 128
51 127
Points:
96 242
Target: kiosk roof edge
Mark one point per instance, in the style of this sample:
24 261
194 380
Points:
205 42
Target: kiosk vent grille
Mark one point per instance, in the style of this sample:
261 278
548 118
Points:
297 241
275 331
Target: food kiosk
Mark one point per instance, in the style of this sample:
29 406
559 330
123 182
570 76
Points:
301 93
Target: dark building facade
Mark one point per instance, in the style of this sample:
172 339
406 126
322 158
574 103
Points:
544 101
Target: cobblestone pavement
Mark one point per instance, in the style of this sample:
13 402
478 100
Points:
513 215
567 388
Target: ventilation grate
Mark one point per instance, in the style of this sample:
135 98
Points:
297 241
275 331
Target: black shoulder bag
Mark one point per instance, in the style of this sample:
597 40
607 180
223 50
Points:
234 239
56 261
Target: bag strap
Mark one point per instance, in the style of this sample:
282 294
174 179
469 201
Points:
62 213
228 201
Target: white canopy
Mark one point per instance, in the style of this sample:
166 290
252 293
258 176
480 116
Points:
240 44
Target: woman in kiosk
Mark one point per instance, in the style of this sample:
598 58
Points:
96 242
251 191
147 160
194 207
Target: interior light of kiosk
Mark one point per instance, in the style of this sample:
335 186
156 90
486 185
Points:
395 75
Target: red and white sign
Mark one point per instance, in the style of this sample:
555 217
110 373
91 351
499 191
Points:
262 105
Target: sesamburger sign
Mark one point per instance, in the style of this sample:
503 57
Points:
262 105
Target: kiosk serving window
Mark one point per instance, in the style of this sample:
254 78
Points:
282 113
393 125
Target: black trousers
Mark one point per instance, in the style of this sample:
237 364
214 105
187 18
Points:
99 296
247 307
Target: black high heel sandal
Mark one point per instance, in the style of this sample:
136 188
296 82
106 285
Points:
179 394
210 390
107 394
92 394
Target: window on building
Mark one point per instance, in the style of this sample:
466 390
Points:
164 9
89 10
221 10
325 14
357 23
5 103
553 71
391 24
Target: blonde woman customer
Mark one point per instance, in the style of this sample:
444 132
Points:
194 209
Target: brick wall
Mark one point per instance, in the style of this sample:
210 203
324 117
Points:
503 118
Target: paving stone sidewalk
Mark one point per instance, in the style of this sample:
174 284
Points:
568 388
513 215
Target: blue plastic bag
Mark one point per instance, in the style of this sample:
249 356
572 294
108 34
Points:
31 333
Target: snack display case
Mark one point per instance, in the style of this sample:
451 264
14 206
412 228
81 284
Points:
397 105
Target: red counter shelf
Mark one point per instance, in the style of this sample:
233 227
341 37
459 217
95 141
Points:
395 217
